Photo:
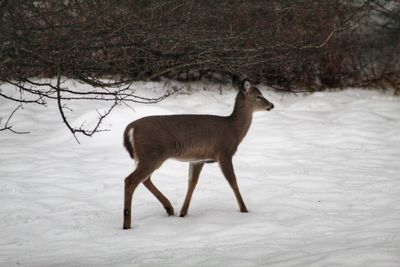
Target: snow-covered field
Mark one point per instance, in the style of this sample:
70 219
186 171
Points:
320 175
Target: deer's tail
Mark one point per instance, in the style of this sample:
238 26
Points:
128 141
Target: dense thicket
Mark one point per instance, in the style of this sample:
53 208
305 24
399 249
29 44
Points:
291 45
286 43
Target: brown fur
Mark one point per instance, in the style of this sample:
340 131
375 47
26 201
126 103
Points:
198 139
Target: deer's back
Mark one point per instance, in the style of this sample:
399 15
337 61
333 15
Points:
185 137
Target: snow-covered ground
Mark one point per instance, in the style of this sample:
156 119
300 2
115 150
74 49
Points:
320 175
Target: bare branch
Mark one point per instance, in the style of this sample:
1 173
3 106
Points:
9 127
81 130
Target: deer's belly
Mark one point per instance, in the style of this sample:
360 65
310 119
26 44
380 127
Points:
197 160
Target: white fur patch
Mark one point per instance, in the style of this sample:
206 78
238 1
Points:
132 141
194 160
246 85
130 135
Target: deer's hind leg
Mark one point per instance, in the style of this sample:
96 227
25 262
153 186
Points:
139 175
164 201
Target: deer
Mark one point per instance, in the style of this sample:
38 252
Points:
197 139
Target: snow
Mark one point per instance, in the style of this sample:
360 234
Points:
319 175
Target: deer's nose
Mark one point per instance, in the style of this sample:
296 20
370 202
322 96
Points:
271 106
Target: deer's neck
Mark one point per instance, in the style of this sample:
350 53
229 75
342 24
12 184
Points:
241 118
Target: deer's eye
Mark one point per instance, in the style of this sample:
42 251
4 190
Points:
259 97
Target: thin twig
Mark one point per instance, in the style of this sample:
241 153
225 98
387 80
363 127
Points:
9 127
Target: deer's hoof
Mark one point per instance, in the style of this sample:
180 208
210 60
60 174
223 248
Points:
170 211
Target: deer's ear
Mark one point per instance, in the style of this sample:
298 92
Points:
241 83
236 82
246 85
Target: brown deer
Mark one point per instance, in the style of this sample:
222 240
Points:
197 139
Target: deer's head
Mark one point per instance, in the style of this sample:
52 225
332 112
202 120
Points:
250 97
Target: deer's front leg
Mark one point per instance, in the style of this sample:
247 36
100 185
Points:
194 173
227 169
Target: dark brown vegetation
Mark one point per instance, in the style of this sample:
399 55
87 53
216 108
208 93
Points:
284 43
291 45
